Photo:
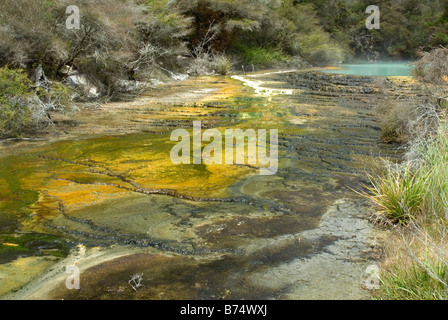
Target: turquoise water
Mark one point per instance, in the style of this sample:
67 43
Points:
373 69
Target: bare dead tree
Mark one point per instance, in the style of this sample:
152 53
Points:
203 47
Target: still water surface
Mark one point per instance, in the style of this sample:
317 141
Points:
373 69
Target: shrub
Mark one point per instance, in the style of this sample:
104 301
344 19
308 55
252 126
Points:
396 117
22 108
26 31
200 65
14 94
432 67
57 99
405 120
222 64
263 57
320 49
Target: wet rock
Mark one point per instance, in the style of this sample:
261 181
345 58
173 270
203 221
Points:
331 83
133 86
40 78
87 87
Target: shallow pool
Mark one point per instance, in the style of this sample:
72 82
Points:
372 69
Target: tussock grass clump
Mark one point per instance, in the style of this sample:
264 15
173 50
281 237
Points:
222 64
406 191
399 193
413 196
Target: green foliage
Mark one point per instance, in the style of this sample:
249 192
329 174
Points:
414 189
319 49
261 56
265 33
14 92
136 39
22 107
14 83
399 192
406 25
416 283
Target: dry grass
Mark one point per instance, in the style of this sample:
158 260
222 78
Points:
415 267
432 67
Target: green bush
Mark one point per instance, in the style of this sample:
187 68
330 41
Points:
22 107
416 188
14 93
263 57
319 49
